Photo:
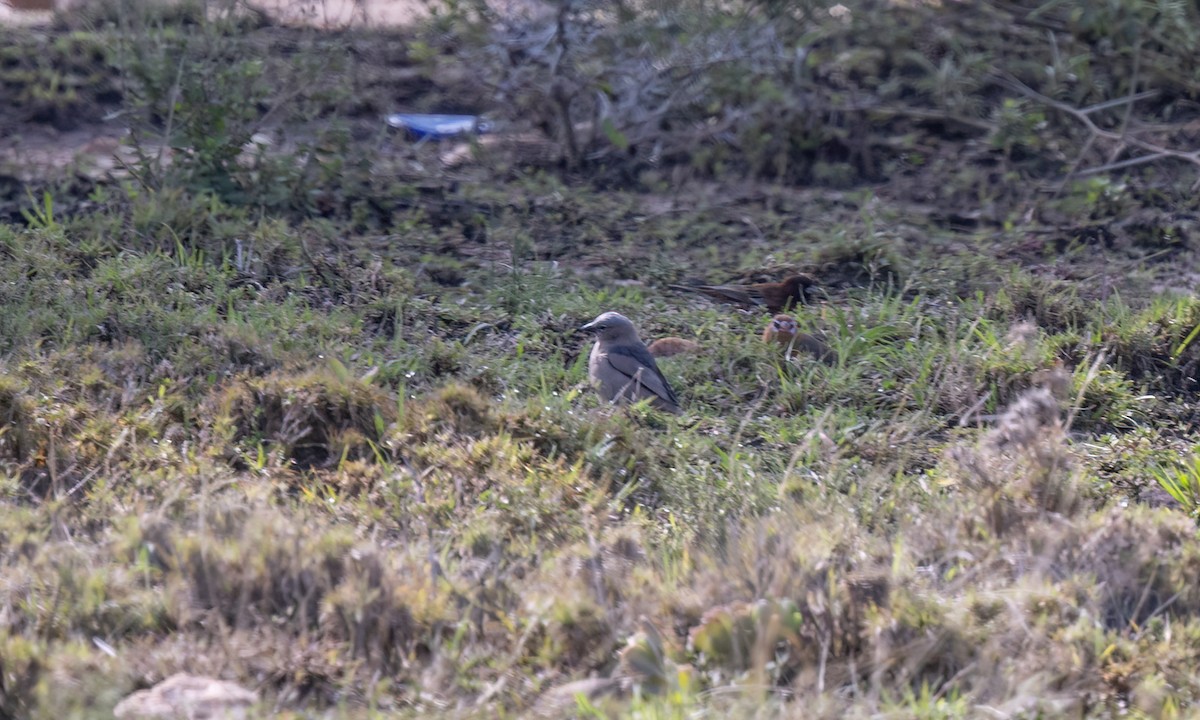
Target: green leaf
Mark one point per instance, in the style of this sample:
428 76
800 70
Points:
615 136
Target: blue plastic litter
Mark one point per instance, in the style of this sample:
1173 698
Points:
438 127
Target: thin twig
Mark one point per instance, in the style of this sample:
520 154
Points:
1133 83
170 115
924 114
1157 152
1074 171
1118 102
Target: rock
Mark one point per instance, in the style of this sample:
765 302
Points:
188 697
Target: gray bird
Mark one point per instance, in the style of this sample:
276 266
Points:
622 369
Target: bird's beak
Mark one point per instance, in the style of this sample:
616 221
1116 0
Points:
587 328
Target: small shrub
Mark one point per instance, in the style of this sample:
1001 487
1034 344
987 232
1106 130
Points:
314 419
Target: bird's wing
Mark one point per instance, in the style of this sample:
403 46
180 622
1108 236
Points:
817 346
755 292
629 360
732 293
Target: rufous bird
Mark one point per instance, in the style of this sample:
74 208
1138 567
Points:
775 297
784 331
668 346
622 369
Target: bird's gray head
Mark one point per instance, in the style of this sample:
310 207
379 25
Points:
611 326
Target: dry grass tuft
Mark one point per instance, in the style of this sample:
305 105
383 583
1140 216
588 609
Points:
314 419
1022 466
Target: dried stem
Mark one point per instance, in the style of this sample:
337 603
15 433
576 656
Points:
1155 151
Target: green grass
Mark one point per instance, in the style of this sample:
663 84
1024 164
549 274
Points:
349 458
195 454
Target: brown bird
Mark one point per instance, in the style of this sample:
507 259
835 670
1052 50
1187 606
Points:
622 369
668 346
776 297
784 331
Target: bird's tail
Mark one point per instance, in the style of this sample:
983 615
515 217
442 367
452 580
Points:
721 293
